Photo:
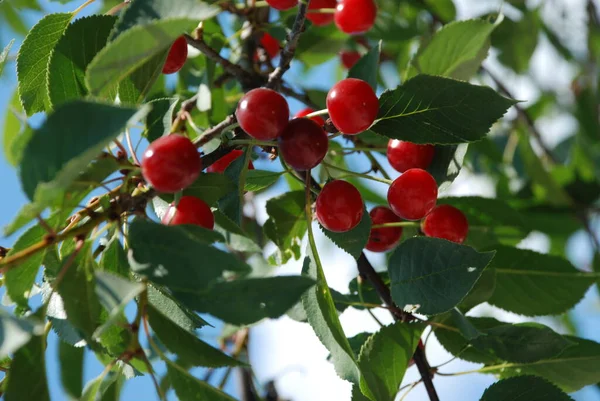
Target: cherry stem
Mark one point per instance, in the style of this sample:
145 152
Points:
352 173
252 142
317 113
322 11
397 224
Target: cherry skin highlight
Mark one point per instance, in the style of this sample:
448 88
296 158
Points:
352 105
171 163
355 16
263 114
303 144
270 44
220 165
304 112
176 57
447 222
282 5
339 206
404 155
413 195
383 239
320 19
349 58
190 210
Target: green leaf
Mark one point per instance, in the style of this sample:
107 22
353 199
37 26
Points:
71 369
4 56
188 348
319 44
188 388
286 225
95 388
384 358
27 378
367 67
14 134
430 109
445 9
210 187
246 301
533 284
75 50
15 332
452 47
136 86
58 152
236 238
481 292
446 164
528 388
323 318
179 257
231 204
34 58
517 41
177 313
114 258
257 180
160 117
434 275
352 241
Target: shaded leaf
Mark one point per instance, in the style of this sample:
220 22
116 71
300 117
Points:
367 67
286 225
210 187
352 241
27 379
188 388
528 388
71 369
15 332
177 313
257 180
160 117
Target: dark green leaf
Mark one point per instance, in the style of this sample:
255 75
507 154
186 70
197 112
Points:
170 308
318 45
447 163
231 204
352 241
160 117
367 67
245 301
15 332
236 238
430 109
33 61
257 180
71 369
384 358
434 275
114 258
188 388
481 292
75 50
528 388
4 56
210 187
27 379
286 225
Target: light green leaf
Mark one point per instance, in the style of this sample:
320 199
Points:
286 225
15 332
367 67
445 9
430 109
27 379
188 388
257 180
114 258
434 275
528 388
95 388
160 117
71 369
4 56
14 134
517 41
352 241
34 58
135 87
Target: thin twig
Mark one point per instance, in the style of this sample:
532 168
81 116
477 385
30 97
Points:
130 146
215 131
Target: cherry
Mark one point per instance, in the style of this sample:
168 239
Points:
270 44
446 222
339 206
413 195
263 113
171 163
320 19
189 210
355 16
406 155
349 58
220 165
307 111
383 239
303 144
176 57
282 5
352 105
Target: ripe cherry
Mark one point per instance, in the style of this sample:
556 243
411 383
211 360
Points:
320 19
304 112
349 58
282 5
406 155
303 144
352 105
446 222
176 57
383 239
355 16
189 210
270 44
339 206
171 163
413 195
220 165
263 113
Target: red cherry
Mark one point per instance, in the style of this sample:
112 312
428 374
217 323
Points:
282 4
406 155
176 57
270 44
352 105
446 222
303 144
307 111
383 239
339 206
349 58
190 210
263 113
320 19
220 165
413 195
355 16
171 163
